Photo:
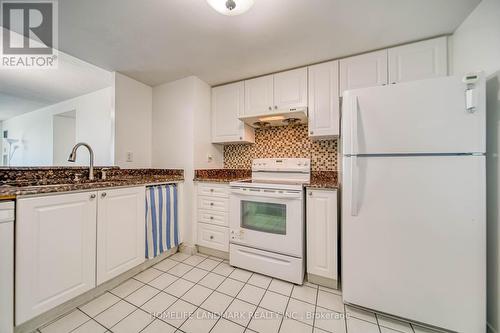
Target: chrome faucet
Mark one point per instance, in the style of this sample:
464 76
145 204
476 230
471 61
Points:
72 157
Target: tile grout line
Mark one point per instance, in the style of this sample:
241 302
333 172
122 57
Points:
315 308
199 306
232 301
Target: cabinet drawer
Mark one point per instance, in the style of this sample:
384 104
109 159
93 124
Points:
213 237
213 190
212 203
213 217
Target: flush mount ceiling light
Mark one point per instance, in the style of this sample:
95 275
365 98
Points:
231 7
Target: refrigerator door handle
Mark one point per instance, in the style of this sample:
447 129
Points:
354 125
354 186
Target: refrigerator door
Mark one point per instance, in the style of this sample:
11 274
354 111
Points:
427 116
414 238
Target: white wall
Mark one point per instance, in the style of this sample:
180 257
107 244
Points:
133 122
181 136
203 148
476 46
64 137
94 125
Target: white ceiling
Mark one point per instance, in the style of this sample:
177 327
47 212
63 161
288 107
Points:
156 41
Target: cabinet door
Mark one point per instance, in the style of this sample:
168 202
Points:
120 231
228 102
259 95
324 106
55 251
366 70
290 89
322 233
422 60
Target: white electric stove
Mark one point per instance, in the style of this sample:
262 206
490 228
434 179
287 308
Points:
267 218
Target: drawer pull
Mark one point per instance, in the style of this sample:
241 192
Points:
211 217
211 204
211 237
211 190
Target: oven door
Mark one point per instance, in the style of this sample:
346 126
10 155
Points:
268 219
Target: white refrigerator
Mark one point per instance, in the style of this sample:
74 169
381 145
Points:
413 201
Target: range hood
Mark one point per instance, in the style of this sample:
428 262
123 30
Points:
277 118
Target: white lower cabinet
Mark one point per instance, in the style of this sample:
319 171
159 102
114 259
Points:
65 241
213 237
212 200
322 237
120 231
55 251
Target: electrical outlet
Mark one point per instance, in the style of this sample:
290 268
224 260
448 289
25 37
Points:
130 156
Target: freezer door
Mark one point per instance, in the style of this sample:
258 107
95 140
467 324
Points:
414 238
427 116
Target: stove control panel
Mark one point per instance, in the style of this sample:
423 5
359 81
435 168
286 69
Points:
237 234
282 164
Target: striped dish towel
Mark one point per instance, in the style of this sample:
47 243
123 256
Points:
162 221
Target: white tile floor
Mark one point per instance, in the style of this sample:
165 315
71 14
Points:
200 294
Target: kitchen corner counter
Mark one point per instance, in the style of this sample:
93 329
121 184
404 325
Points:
32 181
327 180
224 176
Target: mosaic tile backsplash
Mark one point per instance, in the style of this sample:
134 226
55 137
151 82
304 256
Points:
283 141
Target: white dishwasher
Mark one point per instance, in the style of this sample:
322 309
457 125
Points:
7 266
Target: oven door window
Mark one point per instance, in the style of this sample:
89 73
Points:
264 216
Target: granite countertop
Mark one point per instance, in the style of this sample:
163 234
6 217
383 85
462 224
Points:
31 181
221 175
324 180
319 179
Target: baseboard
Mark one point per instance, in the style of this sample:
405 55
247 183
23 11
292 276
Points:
188 248
490 328
64 308
322 281
212 252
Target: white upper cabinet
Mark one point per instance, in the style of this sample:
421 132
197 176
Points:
422 60
277 92
259 95
290 89
228 103
366 70
120 226
55 251
324 106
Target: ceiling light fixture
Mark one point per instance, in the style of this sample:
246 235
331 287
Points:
231 7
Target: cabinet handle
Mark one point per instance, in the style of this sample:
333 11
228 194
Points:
270 108
312 132
103 195
211 217
393 82
310 194
241 138
211 237
92 196
211 204
211 190
276 107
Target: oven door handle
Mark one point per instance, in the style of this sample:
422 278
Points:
268 193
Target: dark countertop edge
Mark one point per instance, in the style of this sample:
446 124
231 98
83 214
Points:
15 192
227 181
322 187
218 180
